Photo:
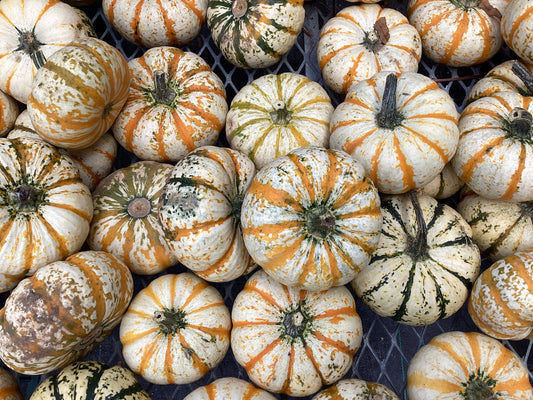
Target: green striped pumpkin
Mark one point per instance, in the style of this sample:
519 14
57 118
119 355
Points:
425 262
255 33
91 380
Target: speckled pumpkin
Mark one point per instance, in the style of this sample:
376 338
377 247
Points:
9 387
294 341
356 389
175 330
311 218
63 311
517 28
229 388
9 112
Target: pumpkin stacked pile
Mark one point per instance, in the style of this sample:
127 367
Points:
370 183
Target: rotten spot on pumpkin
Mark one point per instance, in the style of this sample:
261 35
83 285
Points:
185 204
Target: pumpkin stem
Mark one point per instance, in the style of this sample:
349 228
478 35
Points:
295 323
239 8
29 44
389 117
170 321
139 207
163 93
25 198
479 387
377 37
525 76
520 121
280 115
319 221
418 247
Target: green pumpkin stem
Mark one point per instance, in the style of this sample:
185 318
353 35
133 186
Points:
295 324
239 8
419 247
521 122
389 117
25 198
524 75
30 45
319 221
280 114
479 387
170 321
163 93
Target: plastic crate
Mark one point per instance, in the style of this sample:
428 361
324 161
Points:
387 346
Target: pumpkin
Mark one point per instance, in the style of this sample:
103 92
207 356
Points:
63 311
175 330
125 221
176 104
200 212
77 94
351 388
401 127
457 33
45 209
425 262
93 163
517 28
254 33
501 304
229 388
84 380
311 218
362 40
151 23
445 185
500 228
493 156
9 112
469 365
277 113
9 387
294 341
511 75
30 32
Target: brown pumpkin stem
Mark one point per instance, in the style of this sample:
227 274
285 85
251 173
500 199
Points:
25 198
389 117
163 93
420 242
280 114
239 8
524 75
170 321
139 207
521 122
377 37
319 221
491 11
30 45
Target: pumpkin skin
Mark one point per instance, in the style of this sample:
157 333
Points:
401 127
229 389
499 228
275 114
175 330
347 389
162 23
200 211
254 33
30 32
9 112
457 33
175 105
517 28
494 155
9 387
95 380
45 209
125 221
445 185
293 341
311 218
500 304
353 45
63 311
77 94
424 265
466 365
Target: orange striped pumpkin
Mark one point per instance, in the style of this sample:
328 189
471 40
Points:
125 221
156 23
175 105
30 32
9 387
45 209
364 39
175 330
466 365
9 112
494 152
517 28
351 388
229 388
200 212
255 33
500 303
311 218
457 33
78 93
63 311
401 127
294 341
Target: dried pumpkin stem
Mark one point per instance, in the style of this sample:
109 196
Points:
418 248
389 117
139 207
163 93
170 321
378 36
239 8
524 75
30 45
280 115
319 221
295 324
520 121
25 198
479 387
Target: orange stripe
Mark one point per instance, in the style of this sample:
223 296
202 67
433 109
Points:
262 354
516 177
469 167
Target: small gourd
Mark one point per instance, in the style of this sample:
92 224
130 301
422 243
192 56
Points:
517 28
351 388
229 388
